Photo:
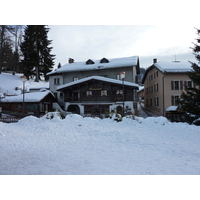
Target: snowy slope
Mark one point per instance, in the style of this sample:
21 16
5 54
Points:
8 83
78 145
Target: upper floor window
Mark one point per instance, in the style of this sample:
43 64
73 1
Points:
150 77
156 74
175 100
61 95
104 60
56 81
151 102
89 93
118 76
156 101
119 92
177 85
75 79
104 93
89 62
156 87
188 84
151 89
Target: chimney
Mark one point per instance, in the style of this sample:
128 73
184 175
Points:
155 60
71 60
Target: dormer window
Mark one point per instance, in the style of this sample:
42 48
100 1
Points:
89 62
104 60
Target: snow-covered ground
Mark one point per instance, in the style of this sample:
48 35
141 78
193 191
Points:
77 145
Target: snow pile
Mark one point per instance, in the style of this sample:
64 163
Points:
77 145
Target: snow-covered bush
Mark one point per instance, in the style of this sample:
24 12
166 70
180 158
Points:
54 115
117 117
196 122
113 115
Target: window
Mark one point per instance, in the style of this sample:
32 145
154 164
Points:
56 81
61 94
177 85
104 60
151 77
175 100
88 93
104 93
89 62
156 101
147 90
156 87
151 89
31 107
151 102
157 74
118 76
75 79
188 84
119 92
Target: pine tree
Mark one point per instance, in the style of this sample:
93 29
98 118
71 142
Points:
38 59
8 56
5 32
190 100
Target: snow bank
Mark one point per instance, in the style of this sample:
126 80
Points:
78 145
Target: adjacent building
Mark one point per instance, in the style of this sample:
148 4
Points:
36 103
163 84
94 86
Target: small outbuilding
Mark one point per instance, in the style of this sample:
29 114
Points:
36 103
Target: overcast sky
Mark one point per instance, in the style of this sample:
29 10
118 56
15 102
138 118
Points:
112 29
83 42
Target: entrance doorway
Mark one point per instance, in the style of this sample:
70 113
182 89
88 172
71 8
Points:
73 109
119 110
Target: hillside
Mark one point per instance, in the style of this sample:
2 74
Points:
9 83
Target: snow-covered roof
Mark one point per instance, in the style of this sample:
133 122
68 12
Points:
169 67
113 63
141 88
172 108
173 67
28 97
110 80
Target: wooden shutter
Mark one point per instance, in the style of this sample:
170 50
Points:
172 85
185 85
181 85
172 100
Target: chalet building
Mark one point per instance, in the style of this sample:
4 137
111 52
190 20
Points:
98 95
36 103
94 86
163 84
